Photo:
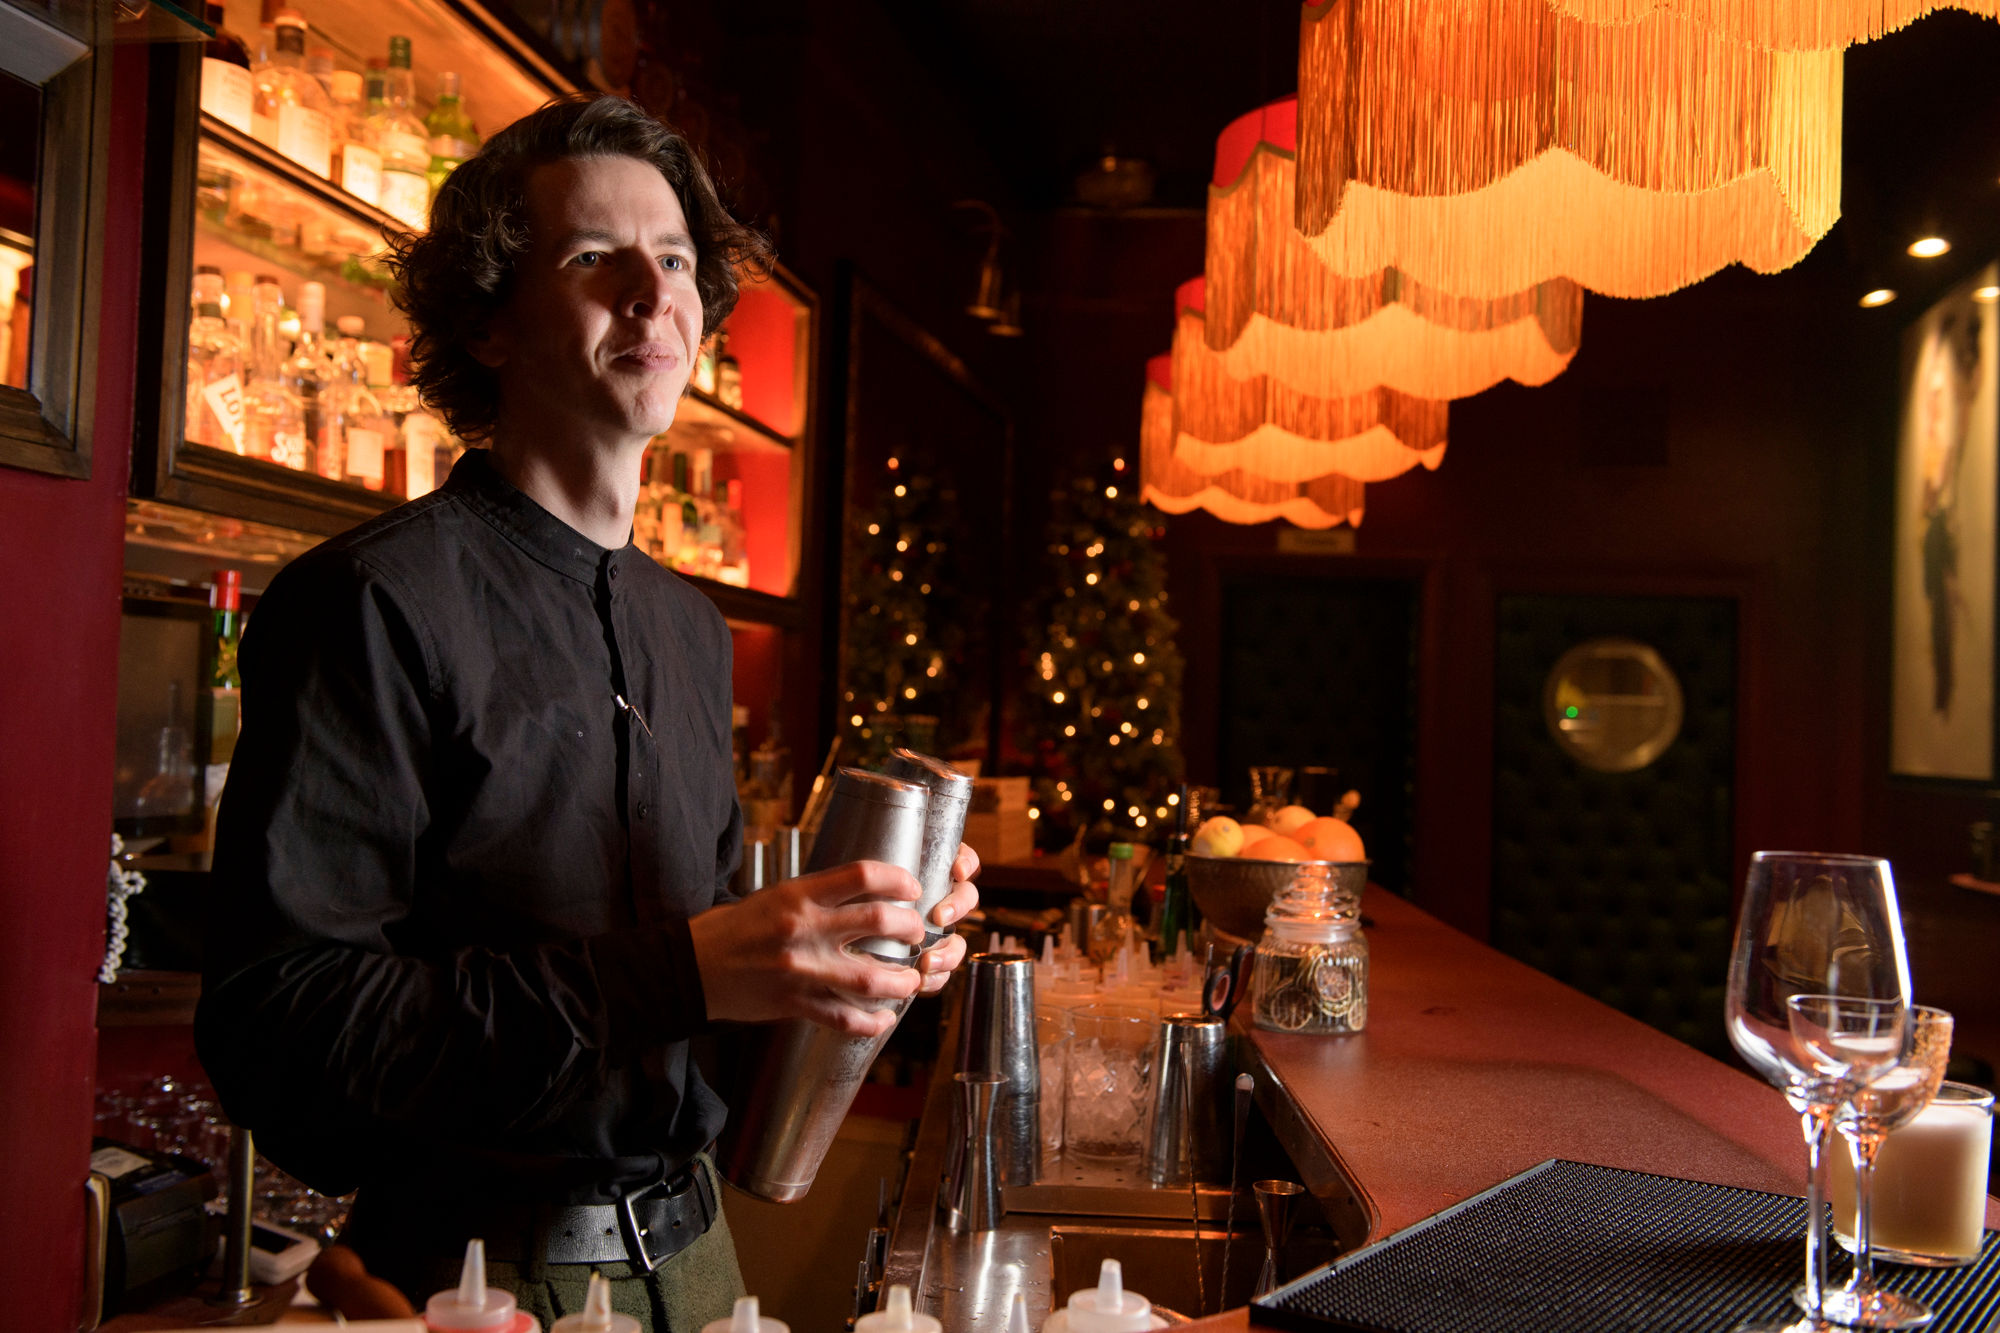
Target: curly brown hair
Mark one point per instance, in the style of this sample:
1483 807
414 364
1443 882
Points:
453 278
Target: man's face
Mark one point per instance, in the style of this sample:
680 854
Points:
599 335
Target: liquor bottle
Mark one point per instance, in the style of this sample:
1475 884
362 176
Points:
289 109
378 363
226 86
399 137
366 433
277 425
734 565
708 528
357 167
686 551
239 305
728 374
215 369
305 371
220 704
452 134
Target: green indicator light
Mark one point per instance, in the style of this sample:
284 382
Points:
1570 711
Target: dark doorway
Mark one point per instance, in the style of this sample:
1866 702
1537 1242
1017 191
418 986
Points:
1322 671
1618 883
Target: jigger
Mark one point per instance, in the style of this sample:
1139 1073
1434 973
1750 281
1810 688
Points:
1275 1201
978 1185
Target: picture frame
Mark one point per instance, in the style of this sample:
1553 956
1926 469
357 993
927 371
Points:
1944 727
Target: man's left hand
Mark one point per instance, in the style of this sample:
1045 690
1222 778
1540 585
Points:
939 960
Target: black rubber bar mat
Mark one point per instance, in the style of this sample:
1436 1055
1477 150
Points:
1566 1245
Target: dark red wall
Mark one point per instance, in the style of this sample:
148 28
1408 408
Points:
61 553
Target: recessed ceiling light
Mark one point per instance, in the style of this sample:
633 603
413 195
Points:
1880 296
1986 293
1929 247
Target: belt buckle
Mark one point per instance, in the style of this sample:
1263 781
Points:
635 1240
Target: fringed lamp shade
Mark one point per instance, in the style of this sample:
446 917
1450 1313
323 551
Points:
1235 496
1780 25
1276 309
1265 429
1483 146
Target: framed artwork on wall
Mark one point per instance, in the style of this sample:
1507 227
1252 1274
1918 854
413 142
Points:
1942 718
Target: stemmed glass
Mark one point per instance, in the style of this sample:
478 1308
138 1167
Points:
1810 924
1895 1095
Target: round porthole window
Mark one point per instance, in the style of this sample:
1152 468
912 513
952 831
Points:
1612 705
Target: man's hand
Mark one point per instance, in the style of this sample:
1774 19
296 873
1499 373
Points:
939 960
782 952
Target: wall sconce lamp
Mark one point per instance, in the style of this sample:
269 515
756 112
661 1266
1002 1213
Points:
991 300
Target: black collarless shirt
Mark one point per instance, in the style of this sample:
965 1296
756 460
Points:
449 940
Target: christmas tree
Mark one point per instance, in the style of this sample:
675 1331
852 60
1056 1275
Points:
903 637
1102 707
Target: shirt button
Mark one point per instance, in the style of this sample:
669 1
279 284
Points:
614 571
642 809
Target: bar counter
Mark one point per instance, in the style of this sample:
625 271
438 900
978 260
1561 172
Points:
1473 1068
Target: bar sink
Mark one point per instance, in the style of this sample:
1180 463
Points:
1157 1260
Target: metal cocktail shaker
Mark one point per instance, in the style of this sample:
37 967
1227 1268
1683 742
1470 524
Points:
803 1077
1190 1086
944 826
996 1035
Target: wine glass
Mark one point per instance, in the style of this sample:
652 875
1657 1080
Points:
1810 924
1894 1096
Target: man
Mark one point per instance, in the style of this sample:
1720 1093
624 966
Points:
473 857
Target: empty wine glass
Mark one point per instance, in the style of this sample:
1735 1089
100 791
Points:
1810 924
1894 1095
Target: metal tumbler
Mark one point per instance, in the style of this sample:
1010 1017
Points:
1190 1088
754 871
944 826
788 853
803 1077
996 1035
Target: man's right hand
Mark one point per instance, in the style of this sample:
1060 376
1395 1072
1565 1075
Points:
781 952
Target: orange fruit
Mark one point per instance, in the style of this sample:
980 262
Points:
1330 839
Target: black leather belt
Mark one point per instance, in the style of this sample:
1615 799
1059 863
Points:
644 1229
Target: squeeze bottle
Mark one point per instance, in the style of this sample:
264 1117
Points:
597 1316
474 1304
1105 1308
898 1317
745 1319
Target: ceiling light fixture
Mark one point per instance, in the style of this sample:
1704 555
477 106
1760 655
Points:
1880 296
1929 247
1634 157
1986 294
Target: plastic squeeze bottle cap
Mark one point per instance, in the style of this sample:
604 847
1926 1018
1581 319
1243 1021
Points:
899 1317
1109 1308
1017 1316
597 1316
474 1304
745 1319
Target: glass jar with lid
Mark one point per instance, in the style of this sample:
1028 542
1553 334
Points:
1311 970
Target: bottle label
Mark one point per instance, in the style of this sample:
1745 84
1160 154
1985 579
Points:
225 399
361 172
225 93
364 454
405 149
406 196
306 137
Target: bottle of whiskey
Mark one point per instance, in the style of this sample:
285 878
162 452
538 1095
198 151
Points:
732 565
215 369
226 86
399 137
686 551
289 109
